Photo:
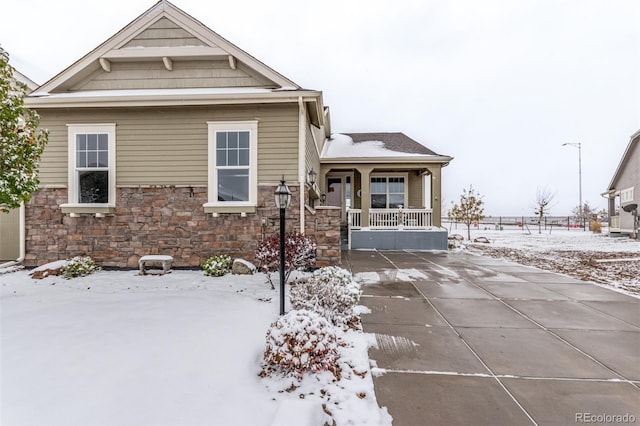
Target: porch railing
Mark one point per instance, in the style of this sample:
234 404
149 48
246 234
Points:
615 222
392 218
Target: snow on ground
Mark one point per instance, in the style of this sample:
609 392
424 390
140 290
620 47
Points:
121 349
610 261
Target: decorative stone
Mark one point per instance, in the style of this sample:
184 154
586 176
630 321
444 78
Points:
165 261
243 267
168 220
483 240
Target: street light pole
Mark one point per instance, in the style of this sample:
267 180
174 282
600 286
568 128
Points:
580 208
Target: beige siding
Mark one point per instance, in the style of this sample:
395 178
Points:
185 74
312 158
416 190
10 235
164 33
169 146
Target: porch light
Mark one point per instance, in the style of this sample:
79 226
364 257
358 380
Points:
312 177
283 199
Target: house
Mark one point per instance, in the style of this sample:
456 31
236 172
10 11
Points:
624 192
169 139
12 223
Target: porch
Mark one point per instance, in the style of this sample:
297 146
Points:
614 226
394 229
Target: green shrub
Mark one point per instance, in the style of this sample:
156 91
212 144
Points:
79 266
217 266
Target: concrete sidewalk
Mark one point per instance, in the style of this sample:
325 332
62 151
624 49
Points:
472 340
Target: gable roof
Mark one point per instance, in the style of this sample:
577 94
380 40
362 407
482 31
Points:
31 85
197 41
625 159
367 147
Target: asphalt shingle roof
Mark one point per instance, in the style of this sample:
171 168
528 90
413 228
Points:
394 141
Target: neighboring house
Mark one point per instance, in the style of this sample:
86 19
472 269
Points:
624 191
12 223
168 139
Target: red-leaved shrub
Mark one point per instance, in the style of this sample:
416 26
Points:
298 342
300 253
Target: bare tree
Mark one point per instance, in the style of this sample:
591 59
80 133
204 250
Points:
585 215
544 197
469 210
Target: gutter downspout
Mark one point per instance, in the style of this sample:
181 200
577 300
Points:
20 259
301 160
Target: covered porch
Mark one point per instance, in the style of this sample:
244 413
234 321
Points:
393 229
389 198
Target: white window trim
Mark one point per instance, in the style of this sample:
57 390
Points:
626 195
391 175
230 126
72 130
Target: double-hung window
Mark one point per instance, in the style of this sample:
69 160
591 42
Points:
92 160
232 164
388 192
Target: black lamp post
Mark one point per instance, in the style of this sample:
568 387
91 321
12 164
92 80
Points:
283 199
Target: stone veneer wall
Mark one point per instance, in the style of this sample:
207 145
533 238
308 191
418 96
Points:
166 220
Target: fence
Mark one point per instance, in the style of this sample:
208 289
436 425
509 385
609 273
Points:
502 222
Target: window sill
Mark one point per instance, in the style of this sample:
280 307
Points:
219 208
97 209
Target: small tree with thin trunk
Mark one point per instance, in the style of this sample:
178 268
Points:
21 142
544 197
469 210
585 215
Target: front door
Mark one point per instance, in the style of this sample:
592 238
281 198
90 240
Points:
339 192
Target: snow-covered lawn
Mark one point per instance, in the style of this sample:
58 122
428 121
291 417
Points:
614 262
121 349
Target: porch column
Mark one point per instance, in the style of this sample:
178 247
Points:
436 195
365 192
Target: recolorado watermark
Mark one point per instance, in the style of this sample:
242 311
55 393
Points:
605 418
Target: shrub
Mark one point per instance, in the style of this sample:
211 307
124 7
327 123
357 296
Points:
595 227
300 253
330 292
301 341
217 266
79 266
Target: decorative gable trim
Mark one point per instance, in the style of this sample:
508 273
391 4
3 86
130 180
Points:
196 42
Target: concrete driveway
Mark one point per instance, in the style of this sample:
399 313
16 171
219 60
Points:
472 340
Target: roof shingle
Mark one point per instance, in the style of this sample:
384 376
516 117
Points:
394 141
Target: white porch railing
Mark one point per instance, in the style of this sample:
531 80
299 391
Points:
615 223
391 218
354 218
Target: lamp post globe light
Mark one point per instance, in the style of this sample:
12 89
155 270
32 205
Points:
283 199
579 146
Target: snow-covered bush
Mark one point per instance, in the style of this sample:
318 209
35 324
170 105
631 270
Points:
298 342
331 292
300 253
217 266
79 266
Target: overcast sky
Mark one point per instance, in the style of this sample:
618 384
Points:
499 85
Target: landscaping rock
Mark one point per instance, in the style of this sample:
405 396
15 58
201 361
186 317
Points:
243 267
481 240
